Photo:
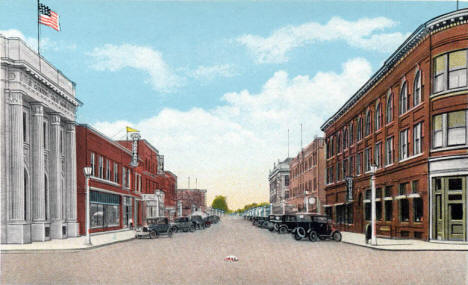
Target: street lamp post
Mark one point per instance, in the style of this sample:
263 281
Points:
373 206
87 172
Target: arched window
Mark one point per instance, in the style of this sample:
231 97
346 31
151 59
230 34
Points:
378 116
345 139
403 99
417 89
351 132
359 129
389 108
368 123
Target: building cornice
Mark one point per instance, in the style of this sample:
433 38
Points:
432 26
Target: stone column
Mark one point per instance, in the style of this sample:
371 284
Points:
37 181
70 176
55 178
17 230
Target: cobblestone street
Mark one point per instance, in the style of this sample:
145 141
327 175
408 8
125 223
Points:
264 258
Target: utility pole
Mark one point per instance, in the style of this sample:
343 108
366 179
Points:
373 206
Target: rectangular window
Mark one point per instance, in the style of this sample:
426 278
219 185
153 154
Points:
378 210
124 177
439 73
116 173
404 144
418 209
349 213
345 168
404 210
128 178
437 132
108 170
101 167
367 211
388 210
457 69
388 191
389 151
456 128
367 159
286 180
93 164
338 170
402 189
377 154
358 164
417 139
351 164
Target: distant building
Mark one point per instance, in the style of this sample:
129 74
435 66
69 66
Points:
308 178
278 179
37 147
190 200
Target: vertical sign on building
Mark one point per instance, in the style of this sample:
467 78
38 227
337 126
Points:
349 188
135 137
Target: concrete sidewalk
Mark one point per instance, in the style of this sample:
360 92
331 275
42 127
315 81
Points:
71 244
404 244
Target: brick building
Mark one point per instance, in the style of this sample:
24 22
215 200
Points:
410 120
306 189
190 200
122 192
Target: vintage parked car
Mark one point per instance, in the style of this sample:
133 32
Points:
285 223
155 227
258 221
183 224
270 224
213 219
315 227
199 222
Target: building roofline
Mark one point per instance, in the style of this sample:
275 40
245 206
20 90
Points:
115 143
414 39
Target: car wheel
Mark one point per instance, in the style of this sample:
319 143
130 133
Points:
300 231
275 227
297 237
153 234
336 236
313 236
271 229
283 230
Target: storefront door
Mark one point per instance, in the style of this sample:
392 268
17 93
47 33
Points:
449 206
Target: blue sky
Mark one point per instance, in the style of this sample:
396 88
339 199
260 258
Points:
215 85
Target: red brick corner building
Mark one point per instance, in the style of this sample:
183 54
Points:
121 195
410 120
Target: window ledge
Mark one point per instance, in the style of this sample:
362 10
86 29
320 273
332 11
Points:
388 165
399 197
411 157
388 199
448 148
449 91
105 181
414 195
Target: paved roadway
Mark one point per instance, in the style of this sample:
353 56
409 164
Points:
264 258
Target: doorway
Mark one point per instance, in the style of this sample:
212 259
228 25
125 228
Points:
449 206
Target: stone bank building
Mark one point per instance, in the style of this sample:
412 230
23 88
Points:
37 147
410 121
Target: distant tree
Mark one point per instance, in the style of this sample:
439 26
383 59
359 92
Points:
219 202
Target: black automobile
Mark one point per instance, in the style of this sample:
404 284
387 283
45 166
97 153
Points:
258 221
184 224
315 227
155 227
199 222
213 219
285 223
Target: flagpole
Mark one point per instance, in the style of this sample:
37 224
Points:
38 36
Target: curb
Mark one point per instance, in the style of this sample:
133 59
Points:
406 249
71 250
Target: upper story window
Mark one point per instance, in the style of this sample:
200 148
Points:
389 108
403 99
417 139
449 129
378 116
359 129
101 167
368 159
108 170
116 172
351 133
450 71
378 155
93 163
358 163
345 139
338 143
389 151
417 89
403 144
368 123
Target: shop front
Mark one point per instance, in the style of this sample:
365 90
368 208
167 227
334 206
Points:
104 211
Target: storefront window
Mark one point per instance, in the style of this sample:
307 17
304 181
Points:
418 209
367 211
404 210
378 210
388 210
349 213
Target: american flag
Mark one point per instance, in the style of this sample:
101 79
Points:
48 17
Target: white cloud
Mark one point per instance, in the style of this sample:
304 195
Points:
116 57
46 43
363 33
230 148
207 73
